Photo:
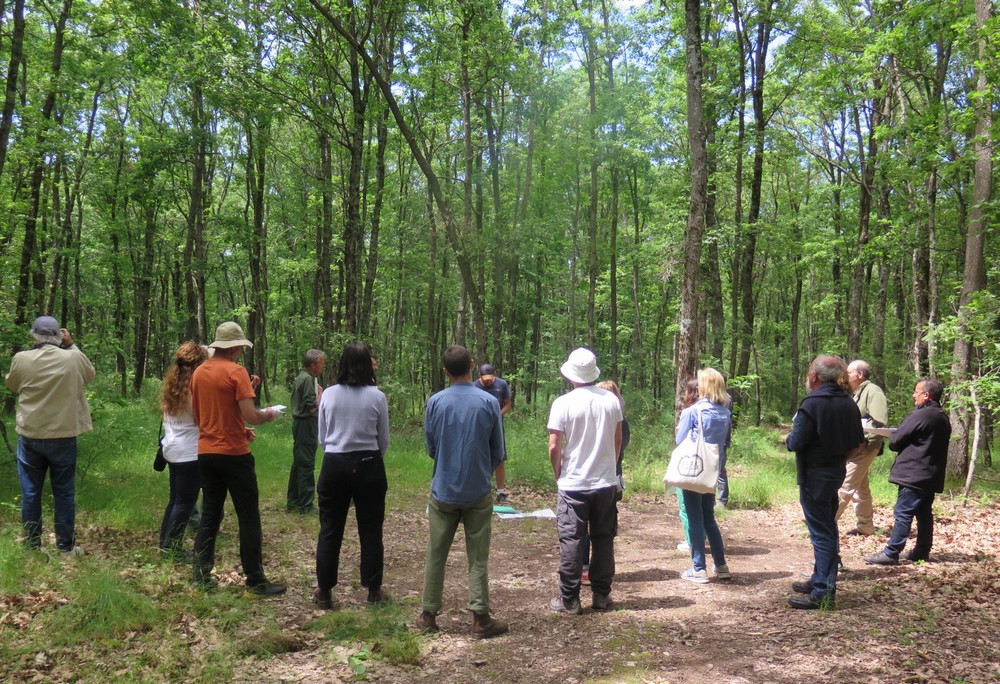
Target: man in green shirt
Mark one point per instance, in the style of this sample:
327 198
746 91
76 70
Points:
305 433
874 413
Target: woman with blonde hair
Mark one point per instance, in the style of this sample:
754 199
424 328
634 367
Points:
711 415
180 448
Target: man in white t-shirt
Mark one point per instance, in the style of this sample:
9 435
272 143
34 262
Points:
585 434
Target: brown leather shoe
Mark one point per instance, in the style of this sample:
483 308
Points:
427 622
485 627
323 599
378 597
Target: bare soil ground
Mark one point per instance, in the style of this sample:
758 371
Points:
927 622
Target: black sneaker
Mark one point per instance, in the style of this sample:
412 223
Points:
881 559
915 556
267 589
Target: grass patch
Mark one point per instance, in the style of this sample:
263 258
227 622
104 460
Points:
101 607
383 631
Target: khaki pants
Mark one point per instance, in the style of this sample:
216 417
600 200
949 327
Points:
856 488
476 518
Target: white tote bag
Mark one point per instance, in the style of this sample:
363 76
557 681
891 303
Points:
694 464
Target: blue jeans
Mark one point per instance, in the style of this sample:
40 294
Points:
722 487
912 503
818 496
701 523
34 458
185 483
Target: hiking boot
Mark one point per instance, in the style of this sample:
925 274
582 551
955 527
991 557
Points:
811 602
323 599
858 532
916 556
802 587
267 589
485 627
722 572
881 559
561 605
503 499
204 581
696 576
75 551
378 596
601 602
427 622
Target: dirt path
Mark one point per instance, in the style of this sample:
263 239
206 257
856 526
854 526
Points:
931 622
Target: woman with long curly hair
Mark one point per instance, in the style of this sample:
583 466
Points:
180 448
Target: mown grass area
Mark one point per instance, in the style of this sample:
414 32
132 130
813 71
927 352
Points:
122 614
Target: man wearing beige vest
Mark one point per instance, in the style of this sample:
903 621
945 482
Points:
874 413
49 381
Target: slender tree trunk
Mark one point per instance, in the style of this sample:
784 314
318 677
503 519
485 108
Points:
10 92
38 172
324 231
194 247
974 276
687 357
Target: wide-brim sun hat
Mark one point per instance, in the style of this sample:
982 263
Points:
229 335
581 366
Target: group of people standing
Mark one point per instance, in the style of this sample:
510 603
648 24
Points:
833 456
208 402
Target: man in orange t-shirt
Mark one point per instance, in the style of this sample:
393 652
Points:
222 397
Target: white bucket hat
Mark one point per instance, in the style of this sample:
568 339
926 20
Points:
581 367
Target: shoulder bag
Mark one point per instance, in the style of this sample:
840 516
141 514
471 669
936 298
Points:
694 464
159 462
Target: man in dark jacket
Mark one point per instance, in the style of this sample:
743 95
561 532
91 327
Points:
826 430
922 442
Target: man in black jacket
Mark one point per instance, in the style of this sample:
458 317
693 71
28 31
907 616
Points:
826 430
922 442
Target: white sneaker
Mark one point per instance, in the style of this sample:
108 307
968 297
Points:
75 551
684 547
697 576
722 571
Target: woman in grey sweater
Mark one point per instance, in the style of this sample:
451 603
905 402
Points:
354 432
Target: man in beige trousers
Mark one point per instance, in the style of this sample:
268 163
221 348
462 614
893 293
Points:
874 413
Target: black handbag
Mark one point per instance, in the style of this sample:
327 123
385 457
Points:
159 462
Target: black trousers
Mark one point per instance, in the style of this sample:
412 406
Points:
235 475
357 476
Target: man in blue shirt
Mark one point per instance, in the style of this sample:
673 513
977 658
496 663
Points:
498 387
464 436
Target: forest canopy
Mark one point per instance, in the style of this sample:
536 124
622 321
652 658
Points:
515 176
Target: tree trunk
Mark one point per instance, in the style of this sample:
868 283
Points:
194 246
974 276
38 172
10 92
686 362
